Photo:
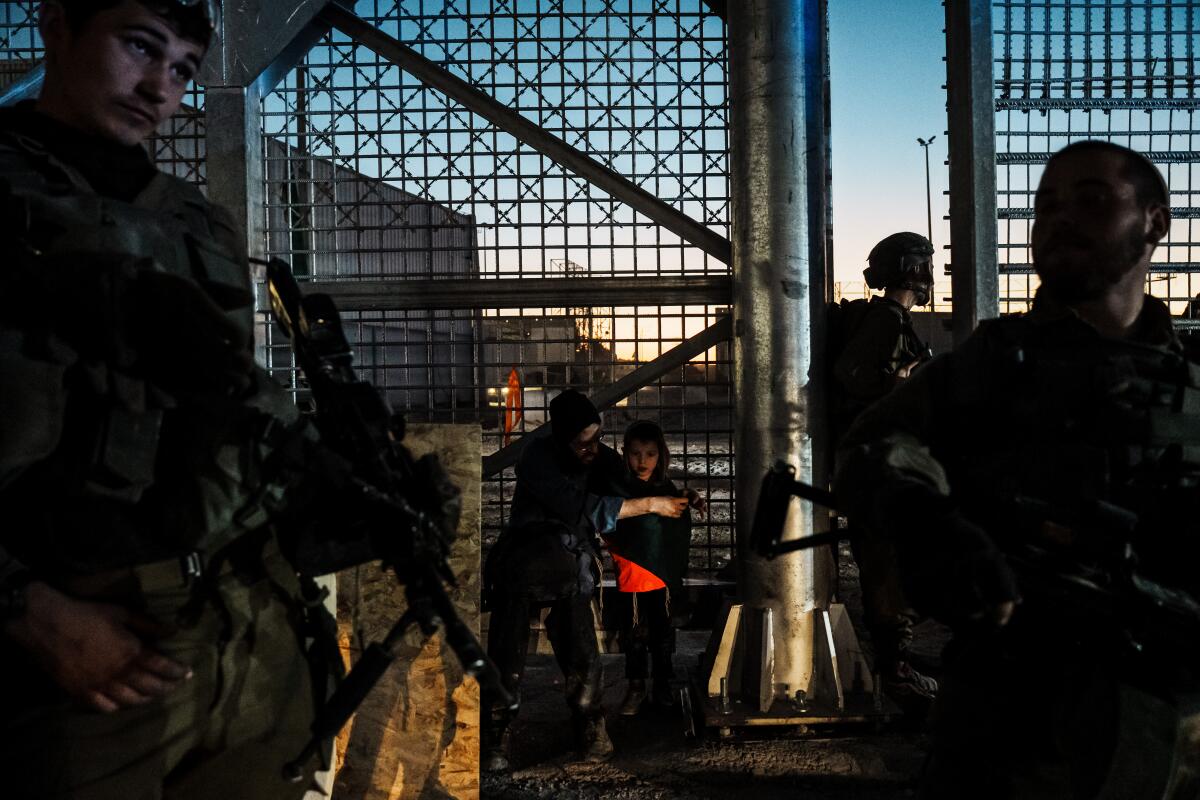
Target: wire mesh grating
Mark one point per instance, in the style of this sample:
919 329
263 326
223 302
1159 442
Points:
1126 71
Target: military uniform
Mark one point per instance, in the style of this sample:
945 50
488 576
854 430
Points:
880 342
138 468
1040 412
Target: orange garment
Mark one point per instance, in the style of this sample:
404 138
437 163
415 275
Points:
632 577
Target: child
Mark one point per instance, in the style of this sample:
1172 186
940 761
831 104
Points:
650 554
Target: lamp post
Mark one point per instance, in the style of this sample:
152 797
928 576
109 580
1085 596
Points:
928 211
928 197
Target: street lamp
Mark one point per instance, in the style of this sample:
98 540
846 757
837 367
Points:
928 197
928 209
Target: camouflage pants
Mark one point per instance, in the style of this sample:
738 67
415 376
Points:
226 733
887 615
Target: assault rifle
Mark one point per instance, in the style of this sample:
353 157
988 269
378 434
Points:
1086 561
1131 609
406 499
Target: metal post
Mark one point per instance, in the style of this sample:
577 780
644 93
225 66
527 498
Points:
247 58
235 159
971 112
781 290
928 190
929 214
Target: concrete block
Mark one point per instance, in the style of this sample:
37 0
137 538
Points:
417 735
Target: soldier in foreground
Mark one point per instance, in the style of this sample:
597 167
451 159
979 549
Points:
156 643
880 350
1040 485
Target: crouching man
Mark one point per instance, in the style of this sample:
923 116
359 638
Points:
547 555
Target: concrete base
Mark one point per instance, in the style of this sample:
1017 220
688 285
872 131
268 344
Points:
712 715
733 687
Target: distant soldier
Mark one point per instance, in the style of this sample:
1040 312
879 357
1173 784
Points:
154 640
880 349
1040 485
878 345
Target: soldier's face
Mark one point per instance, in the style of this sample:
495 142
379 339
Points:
1089 230
119 77
920 267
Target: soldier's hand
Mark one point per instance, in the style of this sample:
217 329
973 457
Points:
906 371
95 652
696 500
668 506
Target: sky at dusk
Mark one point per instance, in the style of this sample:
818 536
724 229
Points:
886 75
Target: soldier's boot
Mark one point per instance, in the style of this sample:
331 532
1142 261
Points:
634 697
494 756
591 736
909 689
662 695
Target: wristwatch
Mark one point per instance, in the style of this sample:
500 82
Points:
13 599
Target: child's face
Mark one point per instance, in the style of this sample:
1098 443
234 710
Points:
641 458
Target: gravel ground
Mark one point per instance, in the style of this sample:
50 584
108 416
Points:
655 761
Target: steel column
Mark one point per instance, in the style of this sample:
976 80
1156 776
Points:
256 41
234 157
253 35
778 209
971 111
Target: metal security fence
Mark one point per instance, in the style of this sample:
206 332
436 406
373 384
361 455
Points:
387 189
637 85
1127 71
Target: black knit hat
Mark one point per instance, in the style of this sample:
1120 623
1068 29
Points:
570 413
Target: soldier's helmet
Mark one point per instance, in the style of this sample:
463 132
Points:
889 269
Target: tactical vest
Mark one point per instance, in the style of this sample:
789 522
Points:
125 475
846 318
1074 419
